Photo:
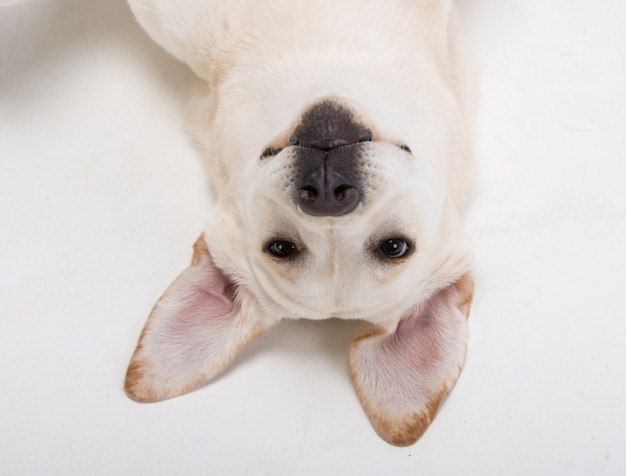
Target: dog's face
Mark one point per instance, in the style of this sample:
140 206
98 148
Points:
331 219
335 221
339 162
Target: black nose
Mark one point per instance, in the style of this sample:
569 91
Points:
328 184
327 141
328 125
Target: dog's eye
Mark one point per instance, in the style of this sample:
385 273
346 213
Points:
282 249
394 248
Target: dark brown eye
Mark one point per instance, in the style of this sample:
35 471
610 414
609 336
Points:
394 248
282 249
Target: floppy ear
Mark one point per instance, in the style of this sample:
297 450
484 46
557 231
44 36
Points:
193 332
402 376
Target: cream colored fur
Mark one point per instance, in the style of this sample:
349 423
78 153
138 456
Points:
393 64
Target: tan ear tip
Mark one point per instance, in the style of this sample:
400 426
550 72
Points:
402 440
465 285
402 433
141 395
135 388
467 282
200 250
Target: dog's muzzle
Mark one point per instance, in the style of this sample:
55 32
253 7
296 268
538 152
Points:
328 143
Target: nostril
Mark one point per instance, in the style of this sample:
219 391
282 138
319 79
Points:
308 193
343 192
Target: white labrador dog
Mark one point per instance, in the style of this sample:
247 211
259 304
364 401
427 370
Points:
338 147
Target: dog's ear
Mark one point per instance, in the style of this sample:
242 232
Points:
193 332
401 376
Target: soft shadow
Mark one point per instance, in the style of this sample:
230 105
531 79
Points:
328 340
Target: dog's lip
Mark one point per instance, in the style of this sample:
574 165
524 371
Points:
330 144
272 151
337 143
326 147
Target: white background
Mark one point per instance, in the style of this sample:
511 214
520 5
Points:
102 196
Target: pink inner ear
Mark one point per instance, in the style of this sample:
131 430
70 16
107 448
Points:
203 295
404 367
418 338
193 332
402 377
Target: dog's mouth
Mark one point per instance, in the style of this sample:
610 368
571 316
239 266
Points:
325 126
326 150
326 147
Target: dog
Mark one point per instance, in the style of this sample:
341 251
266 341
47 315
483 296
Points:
337 142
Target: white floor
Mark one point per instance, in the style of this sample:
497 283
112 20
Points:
102 196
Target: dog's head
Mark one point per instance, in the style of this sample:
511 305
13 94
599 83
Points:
333 219
330 218
326 206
